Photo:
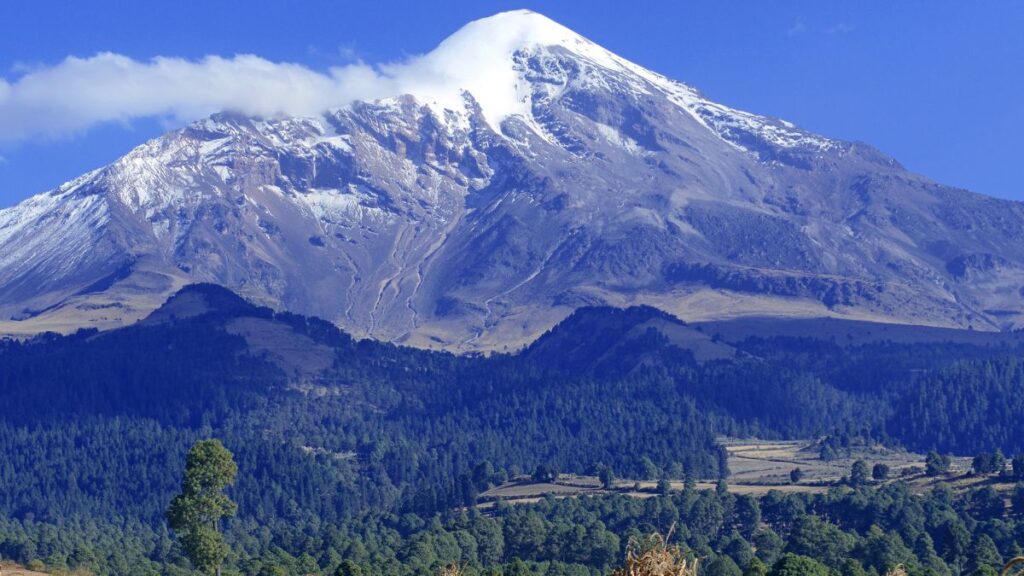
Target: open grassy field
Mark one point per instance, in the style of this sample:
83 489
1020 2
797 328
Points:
9 569
768 463
757 467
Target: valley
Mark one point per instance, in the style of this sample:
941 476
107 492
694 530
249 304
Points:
756 467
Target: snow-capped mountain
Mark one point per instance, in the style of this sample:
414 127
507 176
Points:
529 173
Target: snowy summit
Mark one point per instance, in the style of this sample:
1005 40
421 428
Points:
473 197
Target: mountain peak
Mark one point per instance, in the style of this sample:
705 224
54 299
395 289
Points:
479 59
202 298
509 61
516 29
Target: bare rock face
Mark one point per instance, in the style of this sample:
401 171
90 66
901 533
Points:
479 224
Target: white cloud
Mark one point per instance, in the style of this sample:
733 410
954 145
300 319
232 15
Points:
81 92
78 93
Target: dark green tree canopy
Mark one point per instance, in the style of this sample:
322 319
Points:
859 473
793 565
195 514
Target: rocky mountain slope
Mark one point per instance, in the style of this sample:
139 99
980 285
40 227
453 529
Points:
546 175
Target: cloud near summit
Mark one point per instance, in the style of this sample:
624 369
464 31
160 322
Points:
78 93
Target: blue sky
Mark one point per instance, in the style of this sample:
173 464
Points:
935 84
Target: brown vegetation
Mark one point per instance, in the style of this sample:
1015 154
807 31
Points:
1014 567
655 557
10 569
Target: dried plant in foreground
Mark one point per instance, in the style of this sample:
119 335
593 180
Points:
897 571
451 570
655 557
1014 567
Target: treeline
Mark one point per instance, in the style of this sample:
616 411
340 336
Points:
851 532
967 408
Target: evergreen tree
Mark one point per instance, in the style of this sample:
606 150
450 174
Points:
953 540
722 566
196 512
756 568
664 487
859 473
936 464
748 515
987 503
852 568
983 463
984 553
545 473
998 462
793 565
649 468
1018 499
880 472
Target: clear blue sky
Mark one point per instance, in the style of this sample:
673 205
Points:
936 84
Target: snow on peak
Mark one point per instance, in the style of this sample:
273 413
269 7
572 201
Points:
496 37
478 59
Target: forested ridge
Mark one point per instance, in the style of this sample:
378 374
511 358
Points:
379 457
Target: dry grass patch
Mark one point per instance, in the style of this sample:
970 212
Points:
10 569
653 556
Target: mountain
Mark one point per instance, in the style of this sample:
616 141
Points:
536 173
601 340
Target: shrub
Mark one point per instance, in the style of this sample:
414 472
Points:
654 557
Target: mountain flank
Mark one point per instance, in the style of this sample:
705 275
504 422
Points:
477 212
